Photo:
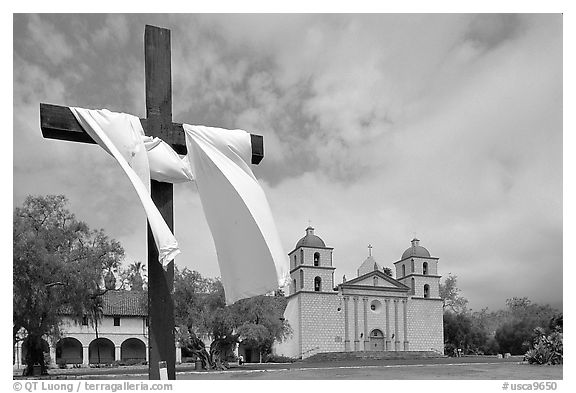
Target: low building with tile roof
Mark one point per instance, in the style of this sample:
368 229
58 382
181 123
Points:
122 334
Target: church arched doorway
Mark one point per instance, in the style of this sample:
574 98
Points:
376 340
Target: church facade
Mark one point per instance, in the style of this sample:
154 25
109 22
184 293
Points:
372 312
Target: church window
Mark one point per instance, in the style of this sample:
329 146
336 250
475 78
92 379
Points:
403 270
116 321
413 286
317 284
376 306
294 285
85 320
375 281
412 262
316 259
426 290
425 268
301 256
301 279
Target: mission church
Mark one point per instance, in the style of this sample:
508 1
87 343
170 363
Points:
372 312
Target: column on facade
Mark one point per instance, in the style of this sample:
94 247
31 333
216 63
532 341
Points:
52 355
178 353
346 332
85 354
396 338
19 361
406 344
387 343
117 353
366 341
356 339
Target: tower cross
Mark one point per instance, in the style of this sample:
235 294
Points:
58 122
369 250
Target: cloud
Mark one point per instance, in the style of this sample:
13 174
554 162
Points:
377 128
45 38
114 32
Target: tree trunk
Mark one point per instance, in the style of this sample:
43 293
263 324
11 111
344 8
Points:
34 355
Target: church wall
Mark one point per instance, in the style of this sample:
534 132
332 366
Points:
291 345
425 325
322 326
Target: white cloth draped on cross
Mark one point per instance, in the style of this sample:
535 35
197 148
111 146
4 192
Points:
250 255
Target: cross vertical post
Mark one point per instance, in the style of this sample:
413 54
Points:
160 280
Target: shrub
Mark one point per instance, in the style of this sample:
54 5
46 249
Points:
546 349
279 359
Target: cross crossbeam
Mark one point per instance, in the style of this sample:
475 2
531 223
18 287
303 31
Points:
58 122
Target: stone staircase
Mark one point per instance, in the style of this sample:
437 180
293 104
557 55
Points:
375 355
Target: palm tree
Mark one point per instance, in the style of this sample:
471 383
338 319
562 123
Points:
135 275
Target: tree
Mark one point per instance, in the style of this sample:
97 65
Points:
255 336
461 332
449 292
388 271
200 309
195 298
266 312
135 276
58 266
519 321
556 323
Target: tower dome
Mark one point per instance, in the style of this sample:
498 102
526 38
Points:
415 251
310 240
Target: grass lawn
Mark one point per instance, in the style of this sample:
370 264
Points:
466 368
423 371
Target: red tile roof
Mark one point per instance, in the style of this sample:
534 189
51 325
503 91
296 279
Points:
125 303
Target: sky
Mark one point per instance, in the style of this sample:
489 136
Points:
378 128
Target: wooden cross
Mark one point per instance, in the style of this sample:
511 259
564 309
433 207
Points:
58 122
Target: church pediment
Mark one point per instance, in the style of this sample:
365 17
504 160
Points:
376 279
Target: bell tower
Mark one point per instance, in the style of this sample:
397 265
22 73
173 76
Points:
311 267
419 271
